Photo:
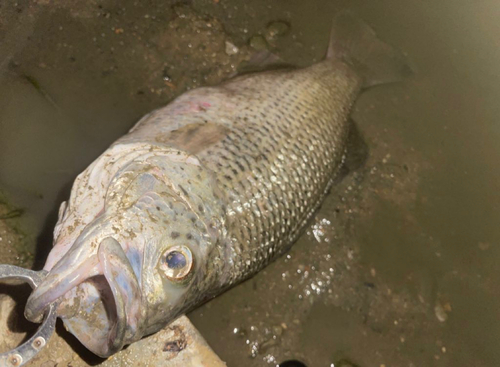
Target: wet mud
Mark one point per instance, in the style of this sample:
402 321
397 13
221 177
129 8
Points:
398 267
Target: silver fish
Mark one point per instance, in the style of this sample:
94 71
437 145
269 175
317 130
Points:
203 193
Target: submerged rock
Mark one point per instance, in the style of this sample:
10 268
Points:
276 29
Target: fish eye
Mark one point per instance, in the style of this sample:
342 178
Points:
177 262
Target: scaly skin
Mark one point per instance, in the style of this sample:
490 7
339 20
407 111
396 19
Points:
273 141
232 172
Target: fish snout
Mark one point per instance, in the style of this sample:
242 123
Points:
99 297
66 274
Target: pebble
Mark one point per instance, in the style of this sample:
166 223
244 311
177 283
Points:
277 330
276 29
258 42
441 314
231 49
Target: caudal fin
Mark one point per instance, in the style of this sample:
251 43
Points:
354 42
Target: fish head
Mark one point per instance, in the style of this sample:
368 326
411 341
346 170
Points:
143 260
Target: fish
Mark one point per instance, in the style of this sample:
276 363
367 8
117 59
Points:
203 193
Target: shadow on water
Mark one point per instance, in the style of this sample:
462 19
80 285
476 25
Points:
46 236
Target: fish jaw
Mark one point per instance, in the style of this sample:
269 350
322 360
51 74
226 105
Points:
98 295
76 266
126 293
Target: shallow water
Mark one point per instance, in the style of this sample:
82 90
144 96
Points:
398 268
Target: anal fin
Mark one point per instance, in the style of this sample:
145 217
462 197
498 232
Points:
356 151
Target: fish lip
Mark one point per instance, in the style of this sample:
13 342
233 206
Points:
54 287
127 295
110 264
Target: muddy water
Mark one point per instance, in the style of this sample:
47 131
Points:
398 268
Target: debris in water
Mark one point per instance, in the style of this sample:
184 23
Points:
12 214
484 245
30 79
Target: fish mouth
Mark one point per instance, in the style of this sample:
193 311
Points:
99 299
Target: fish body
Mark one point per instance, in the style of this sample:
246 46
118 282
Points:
271 155
203 193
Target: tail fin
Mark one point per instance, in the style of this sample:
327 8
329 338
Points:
354 42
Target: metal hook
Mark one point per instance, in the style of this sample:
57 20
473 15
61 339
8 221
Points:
26 351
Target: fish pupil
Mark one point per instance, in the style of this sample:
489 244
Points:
176 260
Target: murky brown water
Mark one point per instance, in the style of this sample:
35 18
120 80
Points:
398 268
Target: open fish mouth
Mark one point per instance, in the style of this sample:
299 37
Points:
99 299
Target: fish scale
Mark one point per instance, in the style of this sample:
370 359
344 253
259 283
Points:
289 128
276 148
